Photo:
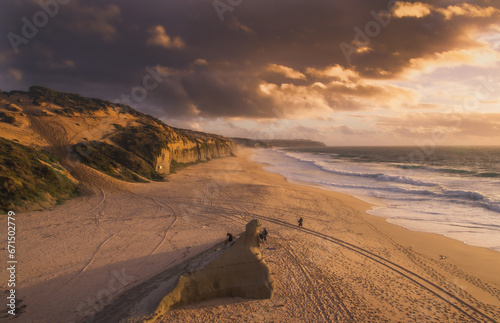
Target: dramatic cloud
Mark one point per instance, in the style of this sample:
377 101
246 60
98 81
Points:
285 60
465 9
94 20
480 57
160 38
411 9
286 71
335 72
419 10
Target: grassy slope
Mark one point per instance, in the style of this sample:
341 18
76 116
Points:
115 161
24 179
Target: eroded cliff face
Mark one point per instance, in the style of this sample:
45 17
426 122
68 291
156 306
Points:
191 151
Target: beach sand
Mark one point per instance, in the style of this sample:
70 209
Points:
343 265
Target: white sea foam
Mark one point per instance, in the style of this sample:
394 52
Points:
419 197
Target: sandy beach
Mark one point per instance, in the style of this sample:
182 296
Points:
342 266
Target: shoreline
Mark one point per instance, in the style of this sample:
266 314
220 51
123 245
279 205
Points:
371 206
375 203
372 203
379 205
325 271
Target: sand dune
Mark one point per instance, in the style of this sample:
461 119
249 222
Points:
343 265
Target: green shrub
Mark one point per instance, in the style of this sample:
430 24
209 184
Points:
118 126
24 179
146 142
9 119
73 102
115 161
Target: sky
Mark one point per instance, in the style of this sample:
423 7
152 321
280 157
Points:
358 72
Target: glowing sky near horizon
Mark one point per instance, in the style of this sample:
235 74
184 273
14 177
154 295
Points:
364 72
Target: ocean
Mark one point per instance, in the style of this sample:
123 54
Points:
453 191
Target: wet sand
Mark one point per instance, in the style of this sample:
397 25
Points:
343 265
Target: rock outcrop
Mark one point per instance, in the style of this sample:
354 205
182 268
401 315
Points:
238 272
192 151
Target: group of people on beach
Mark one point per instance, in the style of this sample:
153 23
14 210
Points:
262 234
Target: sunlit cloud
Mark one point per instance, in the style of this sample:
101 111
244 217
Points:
292 101
286 71
465 9
336 72
479 57
419 10
411 9
200 62
159 37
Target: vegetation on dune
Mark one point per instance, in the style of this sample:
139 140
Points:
7 118
28 176
146 141
73 102
115 161
118 127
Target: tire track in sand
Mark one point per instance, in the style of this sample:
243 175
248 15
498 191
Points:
91 259
317 300
446 296
168 228
463 307
342 312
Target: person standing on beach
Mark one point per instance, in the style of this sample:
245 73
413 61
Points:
300 222
229 238
264 235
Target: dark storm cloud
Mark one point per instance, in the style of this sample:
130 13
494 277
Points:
103 48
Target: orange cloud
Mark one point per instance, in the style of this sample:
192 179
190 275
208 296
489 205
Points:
419 10
465 9
478 57
335 71
296 102
411 9
286 71
319 99
159 37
